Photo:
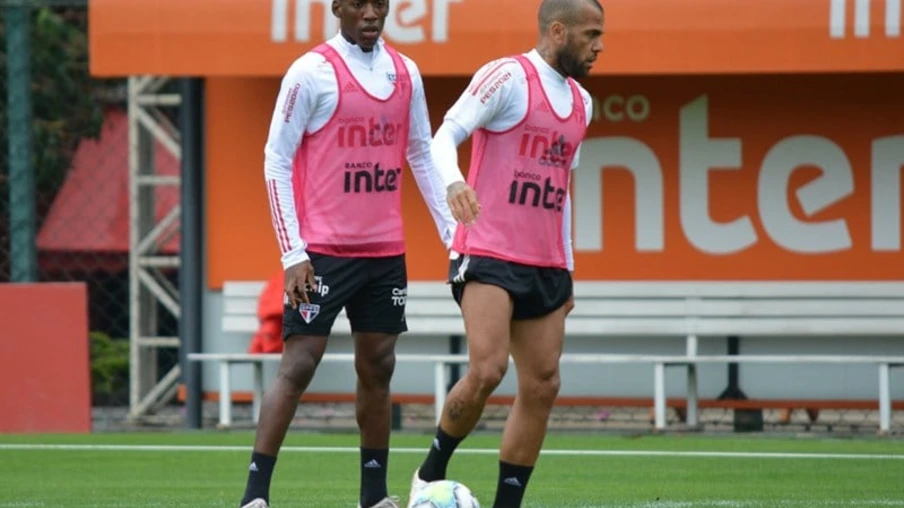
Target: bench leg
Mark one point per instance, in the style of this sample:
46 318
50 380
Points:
225 395
884 399
439 390
659 396
691 351
691 394
258 391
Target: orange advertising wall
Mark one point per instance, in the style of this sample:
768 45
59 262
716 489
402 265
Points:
793 177
742 139
454 37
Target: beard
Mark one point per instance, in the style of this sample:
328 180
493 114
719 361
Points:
569 62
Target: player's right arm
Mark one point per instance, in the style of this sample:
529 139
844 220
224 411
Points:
484 100
294 106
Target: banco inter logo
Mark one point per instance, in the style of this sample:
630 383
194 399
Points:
367 177
360 132
531 189
549 149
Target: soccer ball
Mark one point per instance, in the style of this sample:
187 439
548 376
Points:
444 494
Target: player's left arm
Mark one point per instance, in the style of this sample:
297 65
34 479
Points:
419 158
569 249
567 237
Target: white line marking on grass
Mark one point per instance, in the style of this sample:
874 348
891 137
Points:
860 503
466 451
673 504
746 504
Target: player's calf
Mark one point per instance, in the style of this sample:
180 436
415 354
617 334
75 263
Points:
300 358
465 402
525 428
461 413
523 437
374 364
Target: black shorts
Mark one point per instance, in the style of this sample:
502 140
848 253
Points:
372 290
535 291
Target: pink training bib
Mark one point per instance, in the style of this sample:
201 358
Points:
348 175
521 177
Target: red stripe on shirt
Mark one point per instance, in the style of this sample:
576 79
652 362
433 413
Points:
279 224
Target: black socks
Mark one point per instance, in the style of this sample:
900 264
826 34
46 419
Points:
512 483
259 473
373 476
434 466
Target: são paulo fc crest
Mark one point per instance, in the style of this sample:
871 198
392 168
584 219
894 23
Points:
308 311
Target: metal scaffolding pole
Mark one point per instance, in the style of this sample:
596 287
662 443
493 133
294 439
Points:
150 291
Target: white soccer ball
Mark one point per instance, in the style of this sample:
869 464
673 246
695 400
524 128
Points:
445 494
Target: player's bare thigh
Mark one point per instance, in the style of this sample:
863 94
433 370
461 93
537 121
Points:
487 312
536 345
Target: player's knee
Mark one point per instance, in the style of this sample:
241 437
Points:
298 369
487 375
377 369
543 386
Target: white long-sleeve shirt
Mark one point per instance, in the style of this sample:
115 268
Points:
497 100
307 99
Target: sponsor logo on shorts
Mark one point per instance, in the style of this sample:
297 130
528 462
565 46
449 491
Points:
399 296
321 289
308 311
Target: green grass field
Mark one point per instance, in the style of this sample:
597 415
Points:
207 469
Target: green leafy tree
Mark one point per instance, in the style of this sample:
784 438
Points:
66 105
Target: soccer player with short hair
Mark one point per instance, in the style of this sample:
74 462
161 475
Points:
349 114
511 266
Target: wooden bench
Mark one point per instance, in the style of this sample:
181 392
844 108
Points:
604 309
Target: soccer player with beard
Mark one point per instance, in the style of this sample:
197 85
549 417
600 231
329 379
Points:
512 258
